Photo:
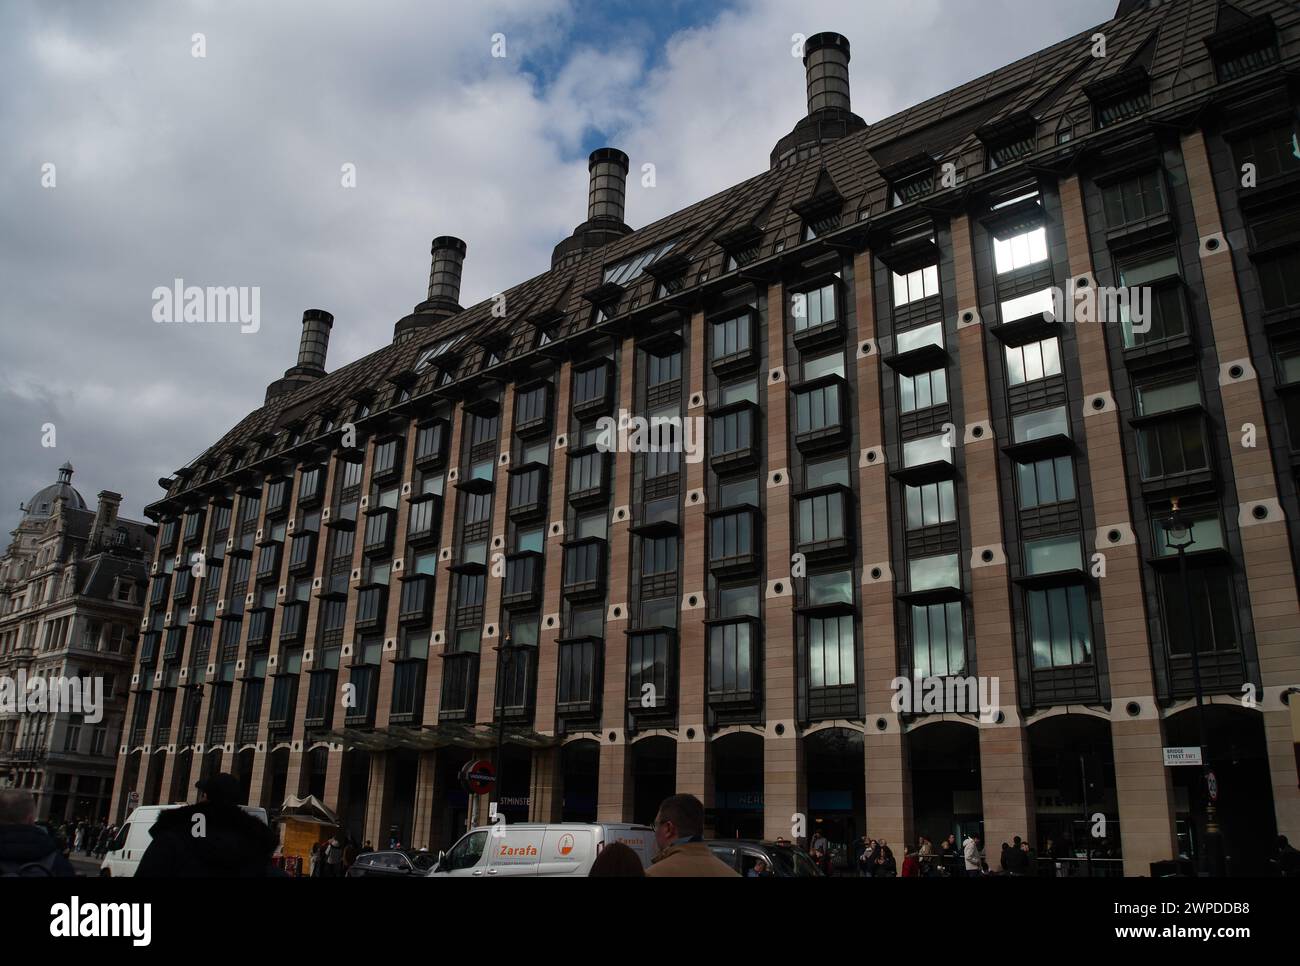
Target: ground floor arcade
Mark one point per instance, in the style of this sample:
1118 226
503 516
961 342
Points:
1095 786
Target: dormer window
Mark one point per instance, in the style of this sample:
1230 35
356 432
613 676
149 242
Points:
1009 139
629 269
1243 48
909 189
1120 97
1011 152
433 352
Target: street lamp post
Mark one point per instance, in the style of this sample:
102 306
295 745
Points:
1178 537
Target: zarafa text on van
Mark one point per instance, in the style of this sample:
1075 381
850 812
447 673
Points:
519 850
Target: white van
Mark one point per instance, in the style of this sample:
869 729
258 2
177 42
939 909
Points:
566 849
127 848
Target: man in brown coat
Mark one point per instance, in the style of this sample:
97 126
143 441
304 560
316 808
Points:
682 851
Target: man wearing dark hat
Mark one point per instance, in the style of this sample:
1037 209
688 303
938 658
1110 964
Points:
215 838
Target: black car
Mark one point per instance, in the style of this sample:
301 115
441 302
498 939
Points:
392 863
783 859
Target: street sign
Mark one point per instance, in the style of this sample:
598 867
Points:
1189 755
478 777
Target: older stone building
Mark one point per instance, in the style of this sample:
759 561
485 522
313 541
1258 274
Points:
72 587
939 440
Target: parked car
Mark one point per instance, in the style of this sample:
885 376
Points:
783 860
392 863
566 849
127 848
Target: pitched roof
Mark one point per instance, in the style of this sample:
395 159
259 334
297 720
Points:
1166 39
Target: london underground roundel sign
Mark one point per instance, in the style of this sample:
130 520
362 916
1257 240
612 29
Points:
479 776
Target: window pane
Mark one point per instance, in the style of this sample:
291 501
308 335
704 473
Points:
1167 396
1040 633
1021 250
1040 424
917 338
832 363
928 449
1024 306
1053 554
929 573
825 472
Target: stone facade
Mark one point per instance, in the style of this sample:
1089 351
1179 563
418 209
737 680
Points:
914 464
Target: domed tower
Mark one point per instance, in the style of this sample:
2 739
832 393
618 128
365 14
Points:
41 506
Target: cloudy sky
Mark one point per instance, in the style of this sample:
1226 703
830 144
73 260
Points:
226 169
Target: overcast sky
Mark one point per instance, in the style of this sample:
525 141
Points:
226 170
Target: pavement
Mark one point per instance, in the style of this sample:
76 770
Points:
85 864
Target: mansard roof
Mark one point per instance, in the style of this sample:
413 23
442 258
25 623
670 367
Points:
1166 40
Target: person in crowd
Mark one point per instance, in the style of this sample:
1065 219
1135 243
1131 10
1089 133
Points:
1030 863
911 866
366 847
1003 858
215 838
1286 859
333 859
972 855
26 849
106 840
864 857
1015 859
819 842
617 859
886 867
1049 849
350 853
679 833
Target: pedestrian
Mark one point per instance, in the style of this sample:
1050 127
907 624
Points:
819 842
366 847
215 838
1286 859
911 866
679 833
26 849
1030 861
972 855
349 854
617 859
864 857
333 858
886 867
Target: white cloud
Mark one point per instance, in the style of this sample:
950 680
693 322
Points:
225 171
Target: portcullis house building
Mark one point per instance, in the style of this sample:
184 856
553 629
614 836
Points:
935 441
